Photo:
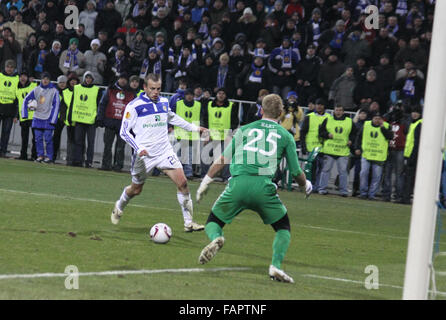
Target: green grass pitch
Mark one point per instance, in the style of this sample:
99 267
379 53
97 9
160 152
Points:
53 216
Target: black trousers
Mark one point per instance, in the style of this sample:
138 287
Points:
71 144
25 127
56 137
409 182
6 124
109 161
81 132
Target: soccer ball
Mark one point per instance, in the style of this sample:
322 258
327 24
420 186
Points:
160 233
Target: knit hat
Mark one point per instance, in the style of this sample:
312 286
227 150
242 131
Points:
375 114
416 108
45 75
134 78
71 76
87 74
41 38
316 10
340 22
247 11
123 75
74 40
62 79
321 101
95 41
217 40
291 94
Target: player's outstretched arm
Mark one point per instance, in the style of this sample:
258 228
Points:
215 168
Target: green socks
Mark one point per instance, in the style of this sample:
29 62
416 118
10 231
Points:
280 244
280 247
213 230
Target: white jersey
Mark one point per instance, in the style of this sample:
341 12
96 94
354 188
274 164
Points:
148 122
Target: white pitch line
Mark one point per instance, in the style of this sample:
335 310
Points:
115 272
77 199
170 209
351 231
441 293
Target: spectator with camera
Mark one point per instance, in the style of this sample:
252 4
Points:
292 116
399 124
410 89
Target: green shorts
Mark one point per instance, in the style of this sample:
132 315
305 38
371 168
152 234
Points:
256 193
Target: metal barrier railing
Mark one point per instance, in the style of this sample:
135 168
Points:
239 102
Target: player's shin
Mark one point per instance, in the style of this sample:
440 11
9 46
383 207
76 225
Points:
185 202
213 230
280 247
124 199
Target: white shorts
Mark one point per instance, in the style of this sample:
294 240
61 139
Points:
141 167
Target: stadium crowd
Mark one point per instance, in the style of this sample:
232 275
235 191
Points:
317 54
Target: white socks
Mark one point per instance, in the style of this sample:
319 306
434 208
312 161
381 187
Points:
123 200
185 202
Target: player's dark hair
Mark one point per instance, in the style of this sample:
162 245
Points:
152 76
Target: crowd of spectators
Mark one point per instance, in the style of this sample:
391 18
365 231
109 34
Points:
309 50
313 47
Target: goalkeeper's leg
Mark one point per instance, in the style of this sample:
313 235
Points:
280 247
214 231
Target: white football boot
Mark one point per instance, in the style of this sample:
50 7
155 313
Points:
193 226
116 214
279 275
211 250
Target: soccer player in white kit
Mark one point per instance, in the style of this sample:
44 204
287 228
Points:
144 128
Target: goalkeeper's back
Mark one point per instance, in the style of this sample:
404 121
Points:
257 149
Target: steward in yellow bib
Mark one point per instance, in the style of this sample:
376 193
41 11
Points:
25 87
372 144
65 104
190 110
309 137
221 118
83 109
61 120
338 133
411 152
8 103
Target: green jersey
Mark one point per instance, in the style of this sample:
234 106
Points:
257 149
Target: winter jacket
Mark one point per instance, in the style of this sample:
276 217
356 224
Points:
95 62
46 103
341 92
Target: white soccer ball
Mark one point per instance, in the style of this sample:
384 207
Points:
160 233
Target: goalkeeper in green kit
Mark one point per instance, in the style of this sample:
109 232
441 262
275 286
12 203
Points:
254 153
